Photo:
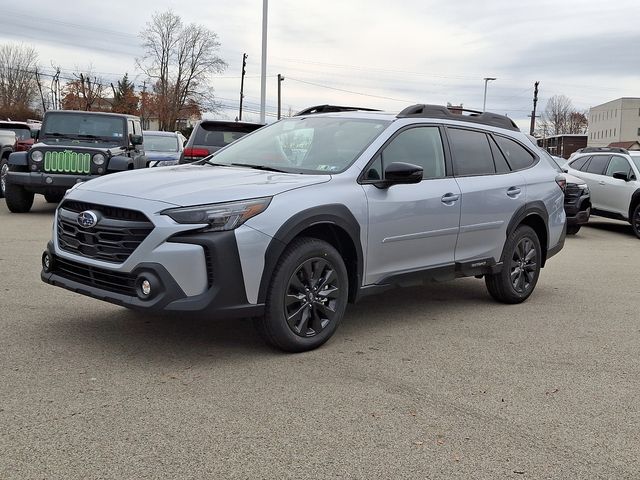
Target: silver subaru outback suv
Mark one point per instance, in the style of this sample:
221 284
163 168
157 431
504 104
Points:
294 221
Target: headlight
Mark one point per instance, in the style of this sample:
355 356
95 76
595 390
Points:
166 163
220 216
98 159
37 156
584 187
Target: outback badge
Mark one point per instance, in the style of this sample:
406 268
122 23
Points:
87 219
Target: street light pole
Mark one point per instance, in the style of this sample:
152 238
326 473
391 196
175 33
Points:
263 80
280 80
484 102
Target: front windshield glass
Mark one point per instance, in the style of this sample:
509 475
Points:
636 160
83 126
320 145
160 143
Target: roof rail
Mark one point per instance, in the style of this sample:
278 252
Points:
455 113
624 151
332 109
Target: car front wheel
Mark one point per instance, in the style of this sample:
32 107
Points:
307 297
4 170
521 267
18 199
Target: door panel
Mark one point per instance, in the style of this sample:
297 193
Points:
614 194
411 227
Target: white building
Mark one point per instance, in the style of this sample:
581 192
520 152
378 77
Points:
614 122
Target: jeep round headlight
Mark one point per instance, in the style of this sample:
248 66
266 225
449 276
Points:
37 156
98 159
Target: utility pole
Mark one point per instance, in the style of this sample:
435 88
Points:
484 102
244 71
280 80
533 112
263 73
39 83
143 101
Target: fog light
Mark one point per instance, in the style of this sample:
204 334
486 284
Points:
48 180
47 262
100 170
33 167
145 286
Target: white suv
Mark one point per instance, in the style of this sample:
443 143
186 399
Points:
613 176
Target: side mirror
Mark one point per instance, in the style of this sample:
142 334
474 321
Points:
621 176
135 139
400 173
564 170
34 134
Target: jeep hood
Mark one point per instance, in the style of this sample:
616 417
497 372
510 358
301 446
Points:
199 184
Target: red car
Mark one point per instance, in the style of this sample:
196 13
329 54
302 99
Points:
23 134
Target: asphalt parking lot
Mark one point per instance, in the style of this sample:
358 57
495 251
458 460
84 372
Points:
432 382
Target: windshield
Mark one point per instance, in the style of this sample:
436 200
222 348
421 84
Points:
83 126
160 143
304 145
636 160
22 133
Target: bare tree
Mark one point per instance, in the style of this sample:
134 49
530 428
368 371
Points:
18 86
179 61
87 92
560 117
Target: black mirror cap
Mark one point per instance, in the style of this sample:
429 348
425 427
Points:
401 173
135 139
34 134
621 176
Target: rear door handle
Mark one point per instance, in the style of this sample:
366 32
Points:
450 198
513 192
602 182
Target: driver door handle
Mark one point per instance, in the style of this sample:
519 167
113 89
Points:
450 198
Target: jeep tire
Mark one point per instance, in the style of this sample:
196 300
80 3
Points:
4 170
306 298
522 259
18 199
53 197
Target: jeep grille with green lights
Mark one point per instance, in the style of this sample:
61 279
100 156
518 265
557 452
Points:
67 162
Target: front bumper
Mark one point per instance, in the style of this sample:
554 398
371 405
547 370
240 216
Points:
224 297
41 182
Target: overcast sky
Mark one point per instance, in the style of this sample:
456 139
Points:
371 53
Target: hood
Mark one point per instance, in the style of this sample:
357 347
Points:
65 144
573 179
199 184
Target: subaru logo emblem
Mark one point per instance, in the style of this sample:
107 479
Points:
87 219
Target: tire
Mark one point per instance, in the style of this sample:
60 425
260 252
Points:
18 199
635 220
521 267
4 169
573 229
53 197
307 297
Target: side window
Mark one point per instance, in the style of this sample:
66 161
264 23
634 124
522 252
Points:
517 156
471 152
498 158
131 128
419 146
598 164
579 163
137 127
618 164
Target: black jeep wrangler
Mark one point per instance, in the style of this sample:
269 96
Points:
72 147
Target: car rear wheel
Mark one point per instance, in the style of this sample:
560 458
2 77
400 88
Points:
635 220
4 170
573 229
521 267
307 297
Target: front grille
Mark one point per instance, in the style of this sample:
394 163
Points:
114 238
115 282
67 161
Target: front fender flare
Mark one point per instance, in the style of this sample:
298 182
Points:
18 159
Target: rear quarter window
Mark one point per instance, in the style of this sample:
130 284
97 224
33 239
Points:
518 157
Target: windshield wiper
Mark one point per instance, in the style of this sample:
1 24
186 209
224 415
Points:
258 167
57 135
93 137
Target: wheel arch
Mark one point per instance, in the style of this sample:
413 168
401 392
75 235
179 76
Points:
334 224
635 200
534 215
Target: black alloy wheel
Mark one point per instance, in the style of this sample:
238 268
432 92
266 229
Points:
306 298
522 257
524 265
312 296
635 220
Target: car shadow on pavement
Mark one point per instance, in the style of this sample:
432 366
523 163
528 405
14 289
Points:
157 336
615 227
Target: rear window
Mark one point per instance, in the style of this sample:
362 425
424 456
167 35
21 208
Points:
216 135
598 164
471 152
